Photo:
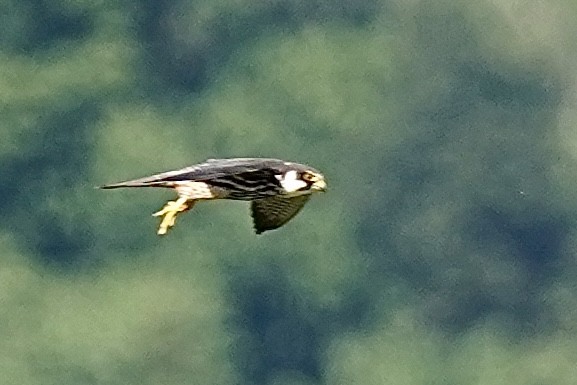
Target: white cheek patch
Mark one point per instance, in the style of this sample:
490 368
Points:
290 182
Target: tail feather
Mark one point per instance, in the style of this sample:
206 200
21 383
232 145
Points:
134 183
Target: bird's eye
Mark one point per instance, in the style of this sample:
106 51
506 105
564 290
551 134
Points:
308 177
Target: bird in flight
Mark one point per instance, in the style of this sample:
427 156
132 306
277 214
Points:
276 189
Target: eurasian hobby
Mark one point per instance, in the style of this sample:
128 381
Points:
276 189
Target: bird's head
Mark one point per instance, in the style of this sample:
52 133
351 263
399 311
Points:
315 180
300 179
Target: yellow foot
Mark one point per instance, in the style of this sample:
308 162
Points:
170 211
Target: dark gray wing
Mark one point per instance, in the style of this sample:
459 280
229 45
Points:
273 212
212 169
159 180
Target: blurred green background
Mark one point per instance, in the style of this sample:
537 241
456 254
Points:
443 253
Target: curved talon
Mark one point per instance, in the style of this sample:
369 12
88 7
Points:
170 211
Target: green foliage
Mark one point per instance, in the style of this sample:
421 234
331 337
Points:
443 252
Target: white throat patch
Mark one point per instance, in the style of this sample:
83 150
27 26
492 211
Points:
291 183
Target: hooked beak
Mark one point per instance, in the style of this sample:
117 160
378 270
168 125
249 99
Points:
320 185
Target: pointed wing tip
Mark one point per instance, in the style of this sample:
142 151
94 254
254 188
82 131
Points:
258 227
112 186
132 183
260 230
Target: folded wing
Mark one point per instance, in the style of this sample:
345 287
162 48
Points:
212 169
271 213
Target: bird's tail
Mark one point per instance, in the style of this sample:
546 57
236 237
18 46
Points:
165 179
146 182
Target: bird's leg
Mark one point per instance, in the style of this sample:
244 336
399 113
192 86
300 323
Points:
170 211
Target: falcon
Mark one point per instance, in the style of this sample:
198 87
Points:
277 189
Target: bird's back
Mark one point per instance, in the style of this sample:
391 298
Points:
208 170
